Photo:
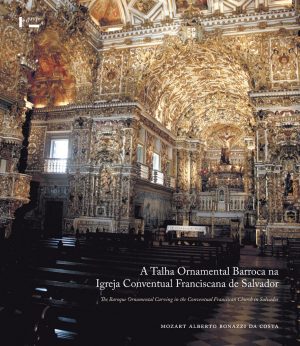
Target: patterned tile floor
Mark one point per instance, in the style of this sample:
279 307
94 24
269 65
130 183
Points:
274 320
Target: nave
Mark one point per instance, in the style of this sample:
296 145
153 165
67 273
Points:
134 116
49 296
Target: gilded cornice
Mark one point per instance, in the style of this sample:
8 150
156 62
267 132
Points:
145 185
157 129
110 111
230 25
84 107
283 117
276 100
235 22
189 144
274 93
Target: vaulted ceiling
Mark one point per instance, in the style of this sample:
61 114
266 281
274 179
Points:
190 87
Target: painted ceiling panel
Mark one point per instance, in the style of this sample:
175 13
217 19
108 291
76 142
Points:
105 12
53 83
182 5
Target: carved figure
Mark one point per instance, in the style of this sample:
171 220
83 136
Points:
288 185
225 150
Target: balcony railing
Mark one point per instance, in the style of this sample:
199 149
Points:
171 182
143 171
56 165
157 177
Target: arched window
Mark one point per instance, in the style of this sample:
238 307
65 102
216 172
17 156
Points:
221 196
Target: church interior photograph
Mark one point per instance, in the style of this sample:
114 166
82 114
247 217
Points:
149 172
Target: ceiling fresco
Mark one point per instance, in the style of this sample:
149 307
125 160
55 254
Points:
53 83
182 5
105 12
144 6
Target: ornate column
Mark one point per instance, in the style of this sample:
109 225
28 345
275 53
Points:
128 175
183 177
182 196
164 160
149 153
195 155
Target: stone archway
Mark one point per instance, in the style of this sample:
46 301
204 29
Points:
199 92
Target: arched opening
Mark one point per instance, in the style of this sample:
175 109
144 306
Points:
199 92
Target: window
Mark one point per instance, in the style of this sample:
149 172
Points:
157 176
168 168
142 135
156 162
2 166
59 150
157 145
170 153
140 153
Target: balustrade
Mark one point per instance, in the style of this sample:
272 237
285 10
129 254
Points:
55 165
143 171
235 204
170 182
157 177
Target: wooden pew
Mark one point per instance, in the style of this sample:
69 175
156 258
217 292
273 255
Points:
293 258
66 270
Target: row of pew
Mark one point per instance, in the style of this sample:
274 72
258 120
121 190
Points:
52 292
293 258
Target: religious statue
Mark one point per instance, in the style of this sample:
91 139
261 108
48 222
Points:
288 184
225 150
224 156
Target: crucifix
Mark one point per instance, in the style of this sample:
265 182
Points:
225 150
